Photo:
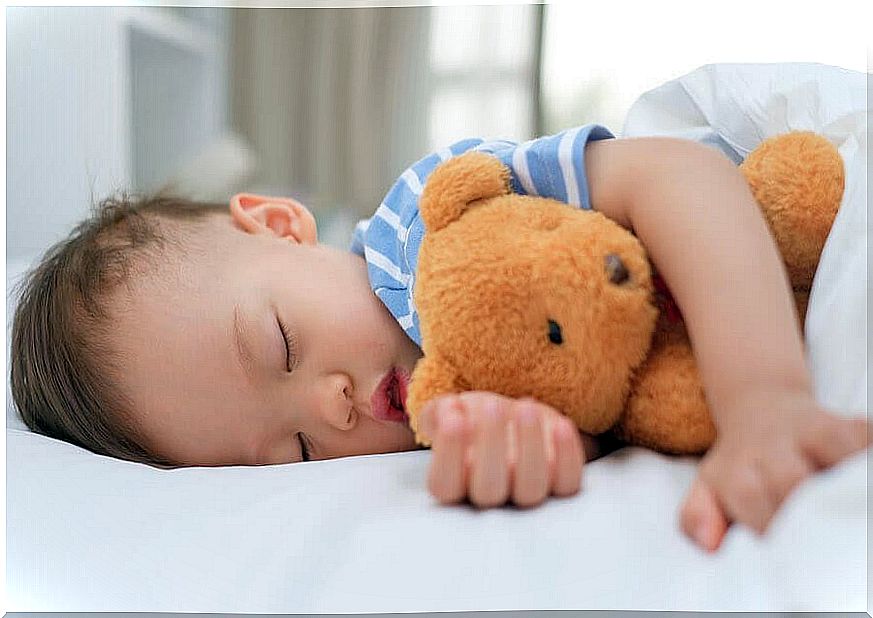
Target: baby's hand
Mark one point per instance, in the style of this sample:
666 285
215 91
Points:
491 449
776 441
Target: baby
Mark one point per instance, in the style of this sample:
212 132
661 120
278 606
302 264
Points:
179 333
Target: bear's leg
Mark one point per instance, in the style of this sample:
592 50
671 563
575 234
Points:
798 180
667 409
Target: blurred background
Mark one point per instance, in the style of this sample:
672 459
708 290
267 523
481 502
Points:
330 105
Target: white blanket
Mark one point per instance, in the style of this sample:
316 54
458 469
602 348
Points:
87 533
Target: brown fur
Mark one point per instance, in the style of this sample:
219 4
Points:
495 268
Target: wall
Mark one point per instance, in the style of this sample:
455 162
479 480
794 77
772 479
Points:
101 99
64 141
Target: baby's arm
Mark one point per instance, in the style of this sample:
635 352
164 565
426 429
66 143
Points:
696 216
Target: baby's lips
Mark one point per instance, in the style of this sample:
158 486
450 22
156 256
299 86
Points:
381 402
403 378
378 400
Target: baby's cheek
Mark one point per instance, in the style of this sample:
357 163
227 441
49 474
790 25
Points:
376 347
373 341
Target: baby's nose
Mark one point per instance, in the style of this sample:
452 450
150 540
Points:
337 404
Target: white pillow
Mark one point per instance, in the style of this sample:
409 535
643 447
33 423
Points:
736 106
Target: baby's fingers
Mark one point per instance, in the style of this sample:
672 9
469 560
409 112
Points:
489 478
737 484
568 457
702 518
783 474
447 477
831 439
531 479
746 497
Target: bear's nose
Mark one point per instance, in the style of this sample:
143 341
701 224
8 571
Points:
616 269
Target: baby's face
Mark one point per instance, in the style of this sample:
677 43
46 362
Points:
203 397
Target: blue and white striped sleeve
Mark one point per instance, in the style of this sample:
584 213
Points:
552 166
358 236
391 238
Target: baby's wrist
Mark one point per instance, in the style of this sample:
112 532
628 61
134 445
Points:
763 405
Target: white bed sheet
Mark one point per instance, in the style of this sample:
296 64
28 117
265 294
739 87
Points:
87 533
361 535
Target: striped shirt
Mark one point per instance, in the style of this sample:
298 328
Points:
552 166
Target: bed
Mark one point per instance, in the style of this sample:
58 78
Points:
88 533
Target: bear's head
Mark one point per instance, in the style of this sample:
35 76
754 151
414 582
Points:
527 296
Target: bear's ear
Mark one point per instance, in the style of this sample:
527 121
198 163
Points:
454 184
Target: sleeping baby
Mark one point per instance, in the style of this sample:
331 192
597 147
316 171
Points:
178 333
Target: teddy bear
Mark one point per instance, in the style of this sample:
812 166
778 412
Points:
530 297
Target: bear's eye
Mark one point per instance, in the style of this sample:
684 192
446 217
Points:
555 332
616 270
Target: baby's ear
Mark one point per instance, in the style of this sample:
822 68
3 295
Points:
281 216
454 184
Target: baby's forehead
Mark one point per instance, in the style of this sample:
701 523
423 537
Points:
185 249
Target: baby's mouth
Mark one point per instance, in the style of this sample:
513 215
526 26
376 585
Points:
388 400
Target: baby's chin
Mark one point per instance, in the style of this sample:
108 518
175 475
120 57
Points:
408 438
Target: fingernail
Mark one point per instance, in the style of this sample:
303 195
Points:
527 416
491 409
700 534
451 419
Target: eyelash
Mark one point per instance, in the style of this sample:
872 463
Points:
290 346
304 448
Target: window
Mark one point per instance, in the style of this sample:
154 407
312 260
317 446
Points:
599 57
484 73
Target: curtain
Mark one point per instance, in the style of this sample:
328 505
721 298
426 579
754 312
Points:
333 101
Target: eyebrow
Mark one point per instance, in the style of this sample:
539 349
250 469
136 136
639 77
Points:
244 352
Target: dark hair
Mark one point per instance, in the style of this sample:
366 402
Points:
64 373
